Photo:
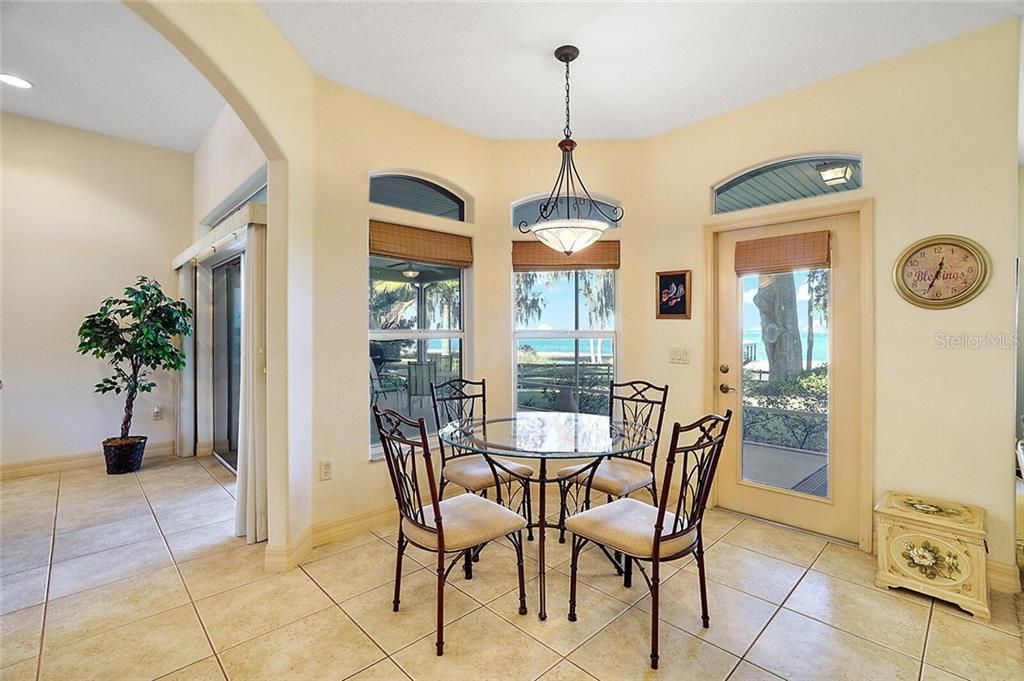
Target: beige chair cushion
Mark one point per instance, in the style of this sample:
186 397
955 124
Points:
468 520
628 526
472 472
614 476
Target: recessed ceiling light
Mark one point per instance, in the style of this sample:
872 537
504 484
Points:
14 81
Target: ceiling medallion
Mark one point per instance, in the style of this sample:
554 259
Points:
569 219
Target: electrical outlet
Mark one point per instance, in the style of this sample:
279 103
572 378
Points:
679 355
326 470
157 414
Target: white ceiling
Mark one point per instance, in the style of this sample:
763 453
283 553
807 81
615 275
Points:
99 67
485 67
644 68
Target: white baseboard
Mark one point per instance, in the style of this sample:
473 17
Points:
344 528
281 558
1004 577
20 469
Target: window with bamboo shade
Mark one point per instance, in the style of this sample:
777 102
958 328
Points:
772 255
421 245
533 256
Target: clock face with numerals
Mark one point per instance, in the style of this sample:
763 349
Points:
941 271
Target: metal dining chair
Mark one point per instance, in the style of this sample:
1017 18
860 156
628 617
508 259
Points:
457 525
639 406
656 534
461 399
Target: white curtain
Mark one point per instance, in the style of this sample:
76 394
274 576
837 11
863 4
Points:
186 380
251 503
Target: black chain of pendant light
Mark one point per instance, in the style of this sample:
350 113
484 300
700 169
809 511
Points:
565 188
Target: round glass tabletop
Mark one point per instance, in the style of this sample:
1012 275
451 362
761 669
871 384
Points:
548 435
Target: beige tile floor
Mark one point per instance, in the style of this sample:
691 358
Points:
139 577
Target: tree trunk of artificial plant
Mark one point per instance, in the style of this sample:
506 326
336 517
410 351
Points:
129 402
129 406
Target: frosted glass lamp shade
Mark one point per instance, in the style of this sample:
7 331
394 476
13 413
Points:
568 236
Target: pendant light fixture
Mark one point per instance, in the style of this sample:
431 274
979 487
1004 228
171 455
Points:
569 219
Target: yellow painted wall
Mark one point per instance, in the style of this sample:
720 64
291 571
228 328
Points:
83 215
226 158
264 80
937 130
1020 312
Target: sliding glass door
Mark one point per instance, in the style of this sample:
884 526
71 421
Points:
227 358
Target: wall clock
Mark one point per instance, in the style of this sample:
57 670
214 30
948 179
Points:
942 271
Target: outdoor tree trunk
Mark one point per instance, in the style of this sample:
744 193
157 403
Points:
810 326
780 331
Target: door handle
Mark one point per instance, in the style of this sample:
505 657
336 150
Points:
725 389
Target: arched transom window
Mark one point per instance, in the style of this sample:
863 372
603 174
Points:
789 180
417 194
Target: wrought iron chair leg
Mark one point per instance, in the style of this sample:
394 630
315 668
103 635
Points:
477 551
655 582
528 500
627 578
440 604
577 545
518 543
398 571
653 489
705 620
468 563
563 502
617 554
616 560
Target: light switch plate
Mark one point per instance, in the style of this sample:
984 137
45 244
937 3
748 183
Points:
679 355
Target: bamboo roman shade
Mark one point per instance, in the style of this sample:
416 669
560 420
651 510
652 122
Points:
534 256
420 245
776 254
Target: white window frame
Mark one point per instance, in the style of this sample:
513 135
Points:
376 452
520 334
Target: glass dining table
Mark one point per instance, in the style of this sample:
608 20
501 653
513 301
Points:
546 436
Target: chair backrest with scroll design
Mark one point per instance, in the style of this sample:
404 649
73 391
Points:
459 399
407 453
694 454
639 406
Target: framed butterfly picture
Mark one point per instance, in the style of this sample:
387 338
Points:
673 300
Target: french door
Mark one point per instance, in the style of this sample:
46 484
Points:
789 366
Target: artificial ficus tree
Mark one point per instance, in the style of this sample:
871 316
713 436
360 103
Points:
135 334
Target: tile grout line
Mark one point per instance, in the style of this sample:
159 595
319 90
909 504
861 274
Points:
49 578
924 646
783 606
779 607
966 616
196 457
188 592
337 604
93 553
365 633
840 629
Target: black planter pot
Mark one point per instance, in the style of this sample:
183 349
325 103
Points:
124 454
